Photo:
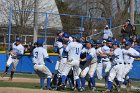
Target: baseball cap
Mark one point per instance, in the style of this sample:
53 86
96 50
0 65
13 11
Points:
18 39
106 26
65 35
116 43
109 40
90 41
127 43
40 41
98 42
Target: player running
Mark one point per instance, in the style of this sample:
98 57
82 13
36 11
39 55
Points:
15 55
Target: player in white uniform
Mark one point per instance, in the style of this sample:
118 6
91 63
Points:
99 65
106 62
15 55
63 57
129 55
74 50
40 55
117 66
91 64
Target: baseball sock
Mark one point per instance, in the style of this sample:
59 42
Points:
106 79
83 82
70 82
109 85
125 82
12 73
92 80
118 83
63 79
48 82
42 82
78 83
6 70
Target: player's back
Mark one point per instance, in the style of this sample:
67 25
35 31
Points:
118 54
39 54
74 50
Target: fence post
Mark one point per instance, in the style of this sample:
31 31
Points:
46 29
81 26
110 23
10 27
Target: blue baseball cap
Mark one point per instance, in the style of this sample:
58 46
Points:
77 36
116 43
40 41
98 42
60 39
128 43
90 41
109 40
65 35
18 39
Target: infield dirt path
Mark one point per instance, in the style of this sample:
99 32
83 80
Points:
24 90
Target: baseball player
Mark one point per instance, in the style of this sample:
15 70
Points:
106 62
129 55
39 55
117 66
15 55
99 62
63 58
74 50
90 65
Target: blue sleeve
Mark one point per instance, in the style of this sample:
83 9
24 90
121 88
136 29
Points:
19 54
88 57
48 60
136 56
55 49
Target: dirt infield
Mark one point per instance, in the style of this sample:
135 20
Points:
24 90
24 80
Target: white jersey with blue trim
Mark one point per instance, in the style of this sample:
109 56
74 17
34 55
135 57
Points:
18 49
118 56
92 52
60 47
106 49
126 53
39 54
74 50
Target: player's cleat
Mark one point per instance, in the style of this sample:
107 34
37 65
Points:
118 89
83 89
128 87
3 74
80 90
10 79
62 86
49 88
94 89
106 91
73 88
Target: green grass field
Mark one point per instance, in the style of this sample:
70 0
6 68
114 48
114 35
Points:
37 86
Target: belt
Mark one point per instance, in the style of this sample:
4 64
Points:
64 57
117 63
126 63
